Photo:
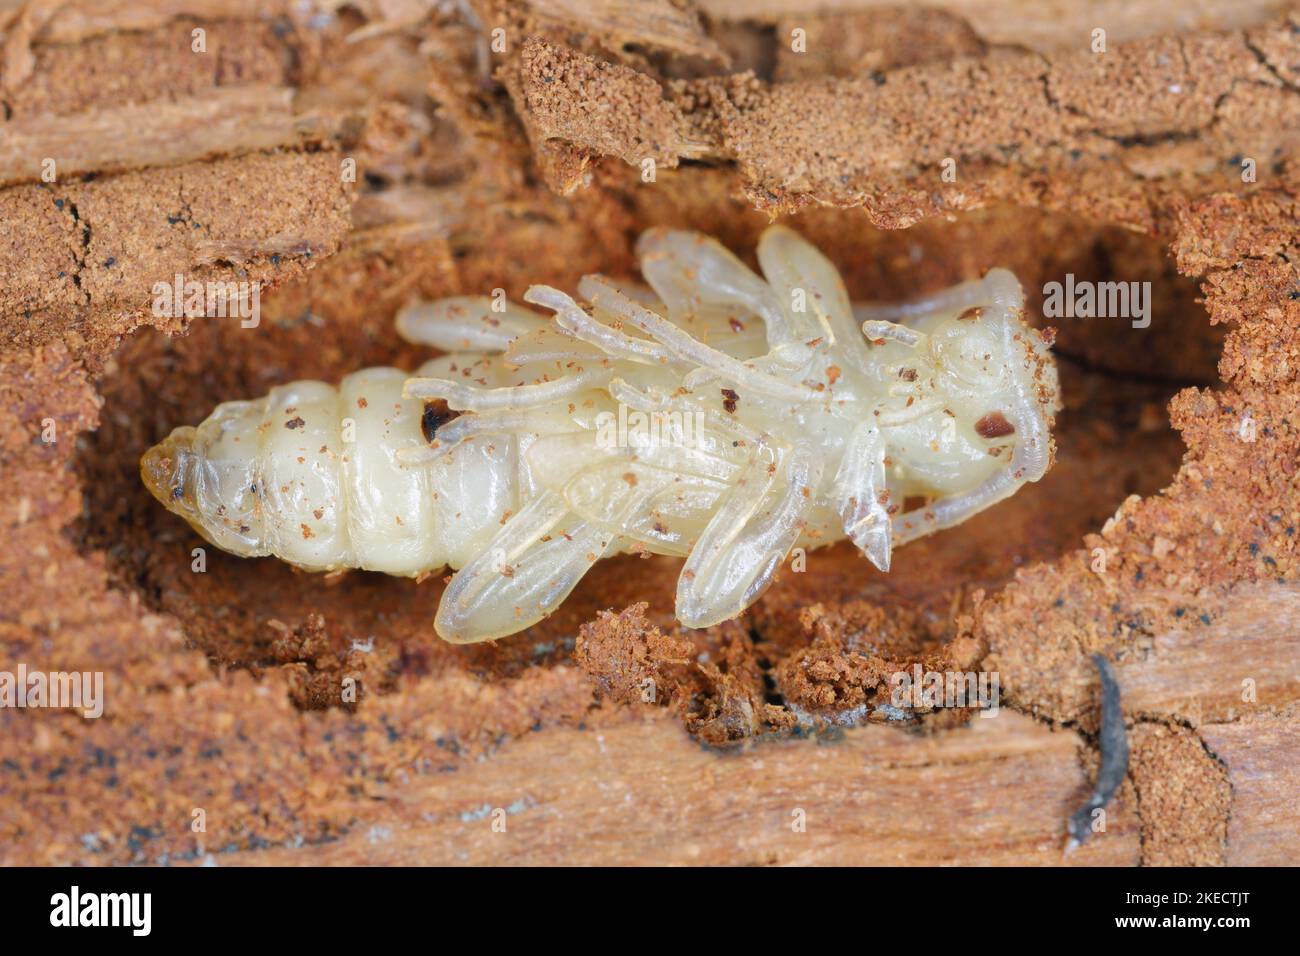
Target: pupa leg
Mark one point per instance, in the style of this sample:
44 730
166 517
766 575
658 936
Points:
745 542
575 321
526 571
463 396
972 294
682 345
477 424
949 512
797 270
881 331
467 323
688 270
859 486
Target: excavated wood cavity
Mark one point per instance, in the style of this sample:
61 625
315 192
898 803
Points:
1113 438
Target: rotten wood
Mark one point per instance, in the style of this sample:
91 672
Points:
1038 25
223 122
994 793
417 773
658 24
1260 755
1244 659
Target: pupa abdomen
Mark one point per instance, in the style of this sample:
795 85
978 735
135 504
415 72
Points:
309 474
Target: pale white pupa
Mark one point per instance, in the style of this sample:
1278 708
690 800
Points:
712 414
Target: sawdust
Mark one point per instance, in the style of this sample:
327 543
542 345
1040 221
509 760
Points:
711 679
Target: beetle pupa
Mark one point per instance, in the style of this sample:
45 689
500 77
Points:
712 413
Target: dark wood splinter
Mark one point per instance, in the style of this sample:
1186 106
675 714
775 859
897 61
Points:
1113 743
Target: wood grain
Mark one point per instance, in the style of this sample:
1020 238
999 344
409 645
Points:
1261 756
1041 25
1207 673
994 793
222 122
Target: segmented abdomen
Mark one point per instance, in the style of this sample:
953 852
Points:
309 474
